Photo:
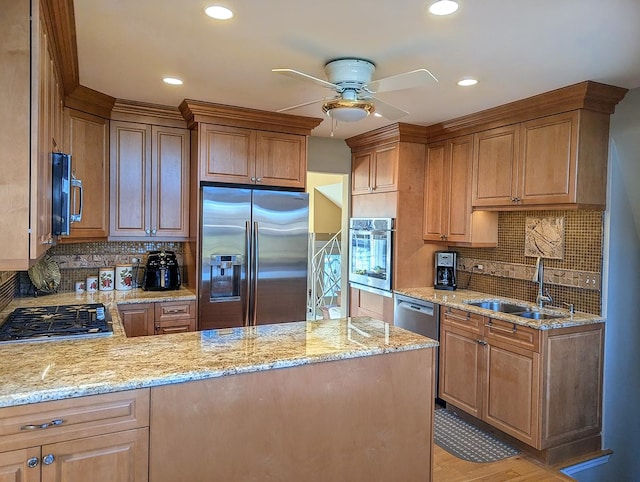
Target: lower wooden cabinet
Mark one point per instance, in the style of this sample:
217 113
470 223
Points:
100 437
541 387
141 319
365 303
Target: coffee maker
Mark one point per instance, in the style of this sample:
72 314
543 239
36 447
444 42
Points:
446 270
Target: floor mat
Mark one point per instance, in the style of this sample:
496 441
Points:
466 441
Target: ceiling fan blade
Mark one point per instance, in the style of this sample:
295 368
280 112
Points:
302 105
408 80
388 111
294 74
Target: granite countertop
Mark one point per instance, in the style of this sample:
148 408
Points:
460 298
51 370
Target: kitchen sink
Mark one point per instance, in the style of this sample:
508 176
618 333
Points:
512 309
536 315
498 306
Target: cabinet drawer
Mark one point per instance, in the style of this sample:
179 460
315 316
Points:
513 334
175 310
175 326
49 422
462 319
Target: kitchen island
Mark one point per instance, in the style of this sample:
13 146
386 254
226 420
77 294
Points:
348 399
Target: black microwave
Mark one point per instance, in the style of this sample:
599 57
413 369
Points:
63 183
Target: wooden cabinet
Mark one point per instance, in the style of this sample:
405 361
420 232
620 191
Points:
375 169
249 156
515 378
366 303
149 181
142 319
490 373
557 160
87 140
31 129
100 437
448 214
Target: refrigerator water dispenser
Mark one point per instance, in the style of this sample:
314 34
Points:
225 277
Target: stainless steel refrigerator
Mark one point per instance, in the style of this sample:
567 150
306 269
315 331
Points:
253 257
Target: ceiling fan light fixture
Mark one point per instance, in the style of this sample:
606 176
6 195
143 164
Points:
348 110
443 7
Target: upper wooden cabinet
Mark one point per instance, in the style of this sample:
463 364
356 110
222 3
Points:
149 181
546 151
248 146
375 169
86 138
249 156
554 160
31 120
448 214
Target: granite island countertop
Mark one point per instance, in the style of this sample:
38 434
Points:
460 298
56 369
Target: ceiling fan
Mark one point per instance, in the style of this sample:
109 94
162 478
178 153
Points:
351 78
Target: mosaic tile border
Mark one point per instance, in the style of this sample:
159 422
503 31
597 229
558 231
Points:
588 280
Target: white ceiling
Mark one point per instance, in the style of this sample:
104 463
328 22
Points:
516 48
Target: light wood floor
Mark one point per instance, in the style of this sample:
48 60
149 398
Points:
449 468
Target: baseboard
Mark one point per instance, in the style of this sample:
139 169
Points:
586 464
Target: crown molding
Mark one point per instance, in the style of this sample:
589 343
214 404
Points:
398 132
587 95
60 24
196 111
147 113
90 101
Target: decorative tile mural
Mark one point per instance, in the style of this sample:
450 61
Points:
544 237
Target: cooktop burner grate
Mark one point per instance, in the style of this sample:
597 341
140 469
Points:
48 322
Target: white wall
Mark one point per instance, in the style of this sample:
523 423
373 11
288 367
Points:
621 290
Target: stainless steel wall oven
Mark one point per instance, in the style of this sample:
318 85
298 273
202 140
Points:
370 253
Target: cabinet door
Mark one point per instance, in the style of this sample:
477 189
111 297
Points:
361 166
548 152
41 232
227 154
436 192
137 318
495 170
115 456
169 182
365 303
459 196
385 168
281 159
130 174
14 465
512 386
87 140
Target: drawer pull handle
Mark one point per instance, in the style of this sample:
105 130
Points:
41 426
482 342
461 318
175 310
499 328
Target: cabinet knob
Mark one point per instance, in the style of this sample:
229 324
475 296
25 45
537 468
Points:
153 232
258 179
32 462
48 459
148 231
481 342
253 179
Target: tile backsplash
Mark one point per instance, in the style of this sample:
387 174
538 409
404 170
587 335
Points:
79 260
506 271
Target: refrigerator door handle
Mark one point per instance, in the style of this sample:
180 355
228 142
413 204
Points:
248 261
254 257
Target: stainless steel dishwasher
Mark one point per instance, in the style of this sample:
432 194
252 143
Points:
422 317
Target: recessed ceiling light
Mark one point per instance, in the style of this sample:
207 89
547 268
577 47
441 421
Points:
443 7
377 114
172 81
218 12
467 82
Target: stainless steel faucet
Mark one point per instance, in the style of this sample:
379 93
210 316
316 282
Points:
544 296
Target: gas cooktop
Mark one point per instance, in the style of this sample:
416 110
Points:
56 322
